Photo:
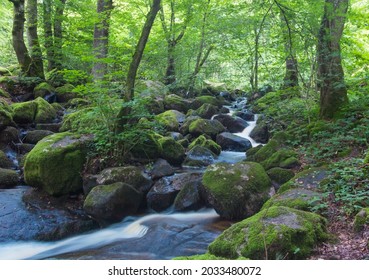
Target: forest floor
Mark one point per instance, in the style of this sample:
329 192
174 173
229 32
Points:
346 244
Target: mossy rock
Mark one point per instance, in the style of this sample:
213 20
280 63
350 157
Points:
45 113
24 112
202 257
175 102
7 83
207 111
199 156
8 178
236 191
35 136
205 99
283 158
264 152
301 199
207 143
148 147
209 127
274 233
78 103
65 93
6 115
43 89
308 179
4 94
5 162
55 164
111 203
81 121
185 127
361 219
189 198
280 175
170 119
172 151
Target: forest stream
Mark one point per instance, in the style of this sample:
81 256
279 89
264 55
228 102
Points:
151 236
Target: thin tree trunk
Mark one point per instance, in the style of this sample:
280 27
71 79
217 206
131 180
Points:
58 32
48 33
19 46
34 45
136 59
333 91
101 38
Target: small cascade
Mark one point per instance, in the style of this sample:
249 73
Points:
12 155
246 132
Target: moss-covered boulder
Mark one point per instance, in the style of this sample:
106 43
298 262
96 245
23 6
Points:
202 257
207 143
170 119
205 99
24 112
280 175
361 219
8 178
274 233
308 179
55 164
284 158
209 127
5 162
131 175
175 102
185 127
43 89
9 135
172 151
80 120
301 199
45 113
207 111
199 156
147 147
65 93
111 203
236 191
6 118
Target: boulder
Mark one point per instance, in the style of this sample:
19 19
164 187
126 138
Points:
245 115
9 135
280 175
6 118
163 193
5 162
33 136
209 127
111 203
65 93
45 113
206 143
172 151
361 219
8 178
236 191
185 127
260 133
147 147
199 156
284 158
205 99
131 175
233 124
207 111
274 233
43 90
231 142
189 198
171 119
175 102
301 199
55 164
161 168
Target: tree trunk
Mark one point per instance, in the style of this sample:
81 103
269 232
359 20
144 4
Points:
170 73
333 91
19 46
34 45
101 38
136 59
48 33
58 32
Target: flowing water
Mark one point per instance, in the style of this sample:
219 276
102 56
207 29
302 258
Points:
153 236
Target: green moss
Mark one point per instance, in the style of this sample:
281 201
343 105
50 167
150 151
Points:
4 94
238 190
361 219
283 158
80 120
203 257
6 115
56 162
148 147
8 178
172 151
65 93
43 89
207 143
168 119
205 99
264 152
4 161
45 112
280 175
208 127
24 112
206 111
274 233
176 102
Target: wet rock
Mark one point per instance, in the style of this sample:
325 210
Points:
43 90
279 229
5 162
260 133
245 115
207 111
231 142
233 124
172 151
9 135
189 198
162 194
161 168
171 119
236 191
54 127
112 202
130 175
8 178
175 135
56 162
199 156
207 143
23 148
34 136
209 127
